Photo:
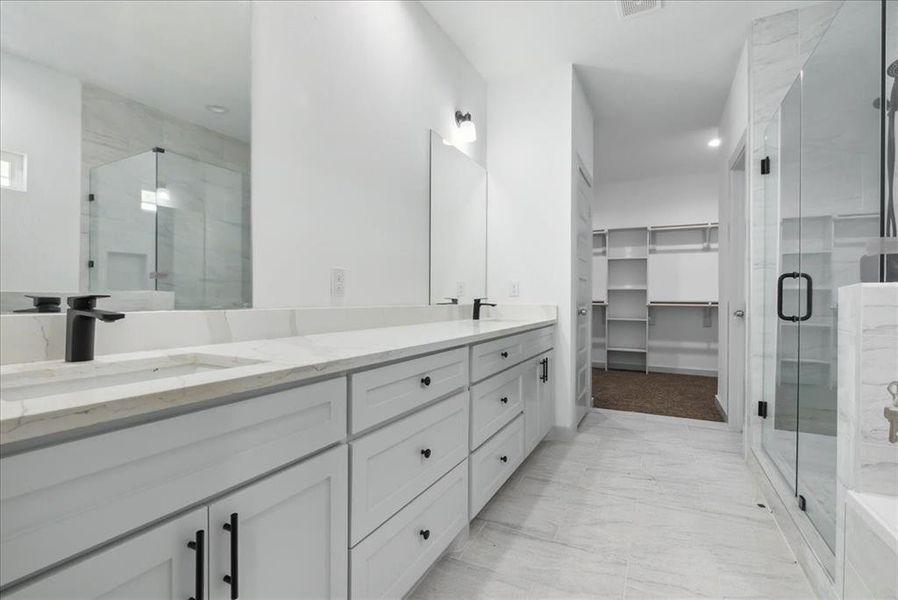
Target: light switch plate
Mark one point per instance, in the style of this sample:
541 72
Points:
338 282
515 289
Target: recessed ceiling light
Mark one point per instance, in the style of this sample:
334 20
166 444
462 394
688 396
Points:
713 142
218 109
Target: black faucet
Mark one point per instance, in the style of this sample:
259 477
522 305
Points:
478 302
42 304
79 326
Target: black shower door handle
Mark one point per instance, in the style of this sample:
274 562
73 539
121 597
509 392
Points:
809 296
779 295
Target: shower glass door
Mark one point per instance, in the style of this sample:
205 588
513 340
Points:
822 218
123 224
840 214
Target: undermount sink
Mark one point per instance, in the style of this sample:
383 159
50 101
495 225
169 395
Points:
79 377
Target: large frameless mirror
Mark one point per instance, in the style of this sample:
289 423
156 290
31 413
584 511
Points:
125 170
457 225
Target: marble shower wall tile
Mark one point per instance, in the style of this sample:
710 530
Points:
868 361
31 338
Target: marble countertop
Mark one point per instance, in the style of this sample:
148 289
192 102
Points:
258 364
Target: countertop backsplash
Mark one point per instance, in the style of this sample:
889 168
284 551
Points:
39 337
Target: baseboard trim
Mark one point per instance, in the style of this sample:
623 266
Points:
559 434
683 371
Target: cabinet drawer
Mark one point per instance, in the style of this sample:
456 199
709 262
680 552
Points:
494 356
494 462
495 402
394 464
392 559
62 500
380 394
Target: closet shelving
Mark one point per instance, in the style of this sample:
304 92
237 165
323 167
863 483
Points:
599 296
658 274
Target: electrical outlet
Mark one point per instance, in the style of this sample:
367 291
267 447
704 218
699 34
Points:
460 289
338 282
515 290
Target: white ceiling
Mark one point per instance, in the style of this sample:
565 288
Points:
174 56
657 82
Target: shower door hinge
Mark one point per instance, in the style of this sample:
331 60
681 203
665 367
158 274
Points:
765 165
90 264
762 409
91 197
802 503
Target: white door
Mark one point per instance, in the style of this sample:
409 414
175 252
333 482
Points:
156 564
583 295
285 536
736 305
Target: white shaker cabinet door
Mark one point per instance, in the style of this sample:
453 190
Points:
157 563
531 390
284 536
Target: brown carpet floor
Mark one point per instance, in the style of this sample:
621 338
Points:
689 396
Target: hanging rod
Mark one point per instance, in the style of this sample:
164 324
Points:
684 304
687 226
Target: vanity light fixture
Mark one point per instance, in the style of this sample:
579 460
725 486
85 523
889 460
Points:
467 132
714 142
218 109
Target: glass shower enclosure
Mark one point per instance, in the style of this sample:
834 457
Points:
825 213
172 226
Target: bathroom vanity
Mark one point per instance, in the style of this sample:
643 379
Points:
330 465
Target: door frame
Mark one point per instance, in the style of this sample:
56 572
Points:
734 270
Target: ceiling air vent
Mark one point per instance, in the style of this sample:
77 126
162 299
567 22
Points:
632 8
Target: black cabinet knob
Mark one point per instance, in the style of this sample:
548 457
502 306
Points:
503 354
503 459
425 452
425 381
425 533
504 399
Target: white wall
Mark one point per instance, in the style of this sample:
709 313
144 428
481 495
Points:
40 116
529 208
667 200
344 96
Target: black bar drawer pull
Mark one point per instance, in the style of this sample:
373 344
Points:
425 381
200 546
425 533
233 578
504 399
425 452
503 354
503 459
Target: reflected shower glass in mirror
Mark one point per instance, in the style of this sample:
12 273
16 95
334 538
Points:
457 225
125 135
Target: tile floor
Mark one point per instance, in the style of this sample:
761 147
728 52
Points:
635 506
